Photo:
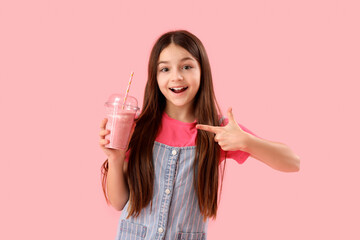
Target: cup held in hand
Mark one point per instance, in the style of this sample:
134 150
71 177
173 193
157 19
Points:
120 120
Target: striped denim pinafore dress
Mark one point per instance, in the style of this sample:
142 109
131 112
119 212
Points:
175 213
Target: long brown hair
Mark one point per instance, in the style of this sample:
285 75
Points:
140 172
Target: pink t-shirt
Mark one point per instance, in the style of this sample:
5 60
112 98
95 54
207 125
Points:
175 133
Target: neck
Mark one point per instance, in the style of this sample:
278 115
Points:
183 114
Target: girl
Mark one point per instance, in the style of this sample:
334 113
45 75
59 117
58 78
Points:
166 184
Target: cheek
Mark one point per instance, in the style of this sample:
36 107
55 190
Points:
197 83
159 82
197 90
198 78
162 85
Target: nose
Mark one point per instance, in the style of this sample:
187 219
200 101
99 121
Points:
176 75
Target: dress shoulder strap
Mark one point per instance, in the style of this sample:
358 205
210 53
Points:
221 120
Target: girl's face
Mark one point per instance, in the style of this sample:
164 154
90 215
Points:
178 76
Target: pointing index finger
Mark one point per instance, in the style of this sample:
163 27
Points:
208 128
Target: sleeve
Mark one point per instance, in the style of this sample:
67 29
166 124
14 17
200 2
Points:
127 155
239 156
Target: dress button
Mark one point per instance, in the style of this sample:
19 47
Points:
167 191
173 152
160 230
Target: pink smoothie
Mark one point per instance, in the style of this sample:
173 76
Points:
120 128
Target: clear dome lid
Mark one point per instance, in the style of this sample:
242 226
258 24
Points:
118 100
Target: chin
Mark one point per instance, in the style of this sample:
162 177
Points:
177 104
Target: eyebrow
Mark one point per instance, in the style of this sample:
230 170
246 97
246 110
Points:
184 59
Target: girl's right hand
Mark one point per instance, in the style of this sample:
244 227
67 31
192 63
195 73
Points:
111 153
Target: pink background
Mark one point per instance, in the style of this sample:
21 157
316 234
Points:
289 69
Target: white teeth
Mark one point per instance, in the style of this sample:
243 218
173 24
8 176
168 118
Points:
177 89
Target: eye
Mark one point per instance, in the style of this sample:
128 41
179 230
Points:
187 67
164 69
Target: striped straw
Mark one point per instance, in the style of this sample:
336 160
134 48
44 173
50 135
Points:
127 90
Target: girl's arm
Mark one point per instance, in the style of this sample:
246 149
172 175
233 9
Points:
117 188
274 154
232 138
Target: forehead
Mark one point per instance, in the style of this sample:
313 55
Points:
174 53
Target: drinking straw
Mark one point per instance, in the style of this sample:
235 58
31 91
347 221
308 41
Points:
127 90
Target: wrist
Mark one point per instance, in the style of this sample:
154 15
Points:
245 142
117 159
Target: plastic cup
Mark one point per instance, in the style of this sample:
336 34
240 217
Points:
120 120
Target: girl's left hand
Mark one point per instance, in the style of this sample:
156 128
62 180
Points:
230 137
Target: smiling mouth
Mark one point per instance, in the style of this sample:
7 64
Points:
178 90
